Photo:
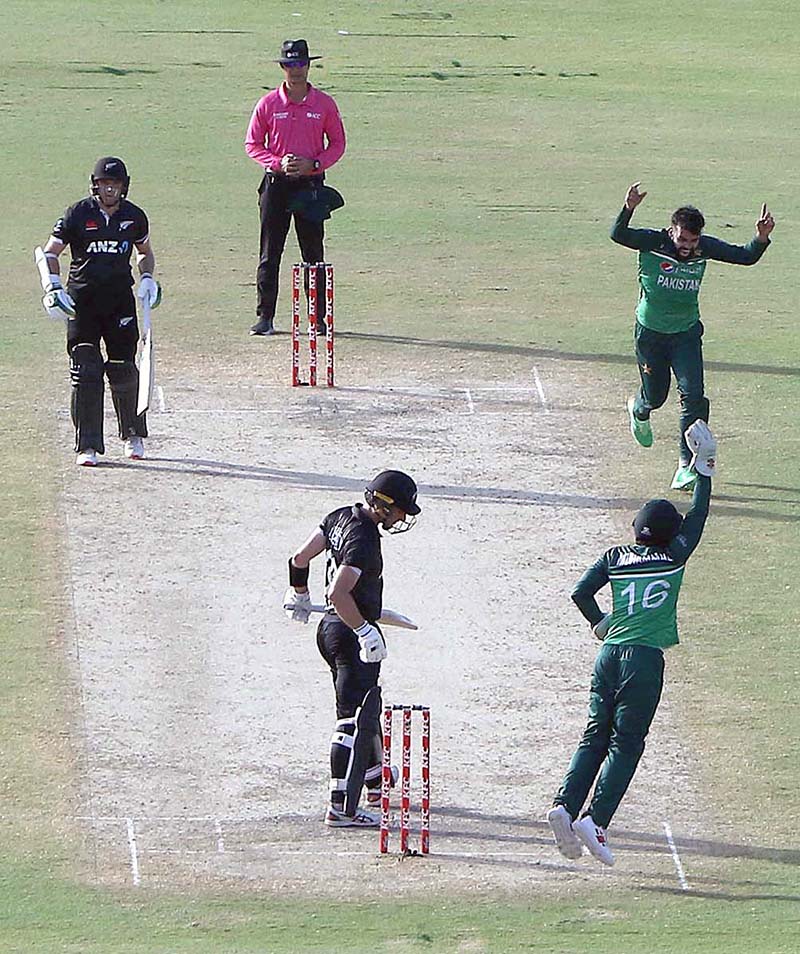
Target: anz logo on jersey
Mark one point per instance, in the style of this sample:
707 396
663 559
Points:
108 246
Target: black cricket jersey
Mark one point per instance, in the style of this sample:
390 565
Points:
352 539
101 246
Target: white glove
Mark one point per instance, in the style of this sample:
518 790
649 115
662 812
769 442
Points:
703 446
56 302
297 606
600 629
373 645
149 290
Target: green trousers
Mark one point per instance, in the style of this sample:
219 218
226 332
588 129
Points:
659 355
624 695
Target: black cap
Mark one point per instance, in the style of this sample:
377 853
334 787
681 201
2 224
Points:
657 523
109 167
294 50
395 487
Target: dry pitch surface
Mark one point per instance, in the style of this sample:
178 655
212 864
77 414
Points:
204 716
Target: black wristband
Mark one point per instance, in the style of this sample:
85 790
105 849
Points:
298 576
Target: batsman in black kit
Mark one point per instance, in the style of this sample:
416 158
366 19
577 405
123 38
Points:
347 637
102 232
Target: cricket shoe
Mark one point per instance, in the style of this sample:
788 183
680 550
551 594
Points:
685 478
374 794
87 458
133 448
594 837
642 430
263 327
565 838
334 818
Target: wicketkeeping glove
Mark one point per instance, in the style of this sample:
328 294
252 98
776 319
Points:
703 445
372 644
56 302
600 629
149 290
297 606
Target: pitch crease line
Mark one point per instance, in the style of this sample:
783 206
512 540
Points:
540 389
470 402
133 852
676 857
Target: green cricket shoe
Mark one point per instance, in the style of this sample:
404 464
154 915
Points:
685 478
641 430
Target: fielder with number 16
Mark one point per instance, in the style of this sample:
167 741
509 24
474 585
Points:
628 674
347 637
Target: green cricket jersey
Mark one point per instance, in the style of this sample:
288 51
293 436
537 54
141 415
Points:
645 582
669 286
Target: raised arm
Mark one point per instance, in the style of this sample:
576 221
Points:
622 234
749 254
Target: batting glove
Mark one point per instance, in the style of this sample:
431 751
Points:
297 606
149 291
372 645
703 445
56 302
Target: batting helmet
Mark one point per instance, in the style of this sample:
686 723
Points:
656 523
109 167
393 488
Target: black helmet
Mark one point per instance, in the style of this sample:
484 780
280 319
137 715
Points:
657 523
109 167
394 488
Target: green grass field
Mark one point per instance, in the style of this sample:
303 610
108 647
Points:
490 146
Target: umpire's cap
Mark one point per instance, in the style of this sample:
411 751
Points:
657 523
293 51
395 488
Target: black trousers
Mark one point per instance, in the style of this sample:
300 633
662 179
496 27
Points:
274 196
107 314
338 645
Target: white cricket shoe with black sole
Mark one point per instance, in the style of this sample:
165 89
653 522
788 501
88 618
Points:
133 448
594 837
87 458
565 838
362 819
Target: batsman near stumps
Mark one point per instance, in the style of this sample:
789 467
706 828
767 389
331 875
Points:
645 580
669 333
348 638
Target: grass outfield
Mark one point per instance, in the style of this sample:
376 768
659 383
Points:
490 146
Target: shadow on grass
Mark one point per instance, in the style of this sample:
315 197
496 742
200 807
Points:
489 495
485 347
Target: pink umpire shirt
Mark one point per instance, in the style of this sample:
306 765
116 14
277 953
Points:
279 127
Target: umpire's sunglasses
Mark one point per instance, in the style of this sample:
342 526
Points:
291 64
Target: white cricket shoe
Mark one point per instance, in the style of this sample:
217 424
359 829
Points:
362 819
134 448
87 458
561 825
594 837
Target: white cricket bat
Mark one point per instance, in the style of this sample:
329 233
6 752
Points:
388 618
147 362
41 263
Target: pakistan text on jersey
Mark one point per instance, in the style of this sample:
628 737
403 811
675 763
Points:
679 284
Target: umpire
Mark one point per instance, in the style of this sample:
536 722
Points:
295 133
347 637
